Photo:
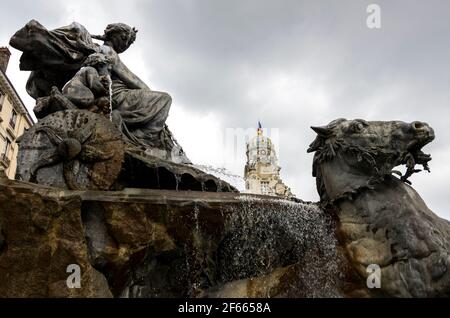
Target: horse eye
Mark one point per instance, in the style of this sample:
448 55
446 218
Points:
357 127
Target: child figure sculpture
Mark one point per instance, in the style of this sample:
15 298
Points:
88 89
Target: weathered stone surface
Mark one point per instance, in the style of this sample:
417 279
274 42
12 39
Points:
141 170
165 243
383 220
155 243
42 236
408 241
73 149
267 286
80 150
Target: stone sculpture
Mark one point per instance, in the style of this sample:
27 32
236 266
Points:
153 243
98 122
101 128
74 149
55 57
88 89
383 221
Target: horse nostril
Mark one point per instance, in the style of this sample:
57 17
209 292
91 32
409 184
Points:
417 125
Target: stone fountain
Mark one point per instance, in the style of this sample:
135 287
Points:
102 184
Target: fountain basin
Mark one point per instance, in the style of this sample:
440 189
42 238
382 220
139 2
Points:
164 243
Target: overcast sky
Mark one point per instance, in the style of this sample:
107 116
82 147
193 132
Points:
290 64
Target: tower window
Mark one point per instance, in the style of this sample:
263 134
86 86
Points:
265 187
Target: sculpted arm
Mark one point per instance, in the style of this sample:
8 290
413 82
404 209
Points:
93 81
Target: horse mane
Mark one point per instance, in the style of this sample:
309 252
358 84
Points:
328 149
375 162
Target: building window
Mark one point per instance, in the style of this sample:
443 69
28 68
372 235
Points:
6 147
2 97
4 153
265 187
12 121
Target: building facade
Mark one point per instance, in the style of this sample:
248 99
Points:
262 172
14 119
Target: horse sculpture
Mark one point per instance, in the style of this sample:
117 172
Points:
382 219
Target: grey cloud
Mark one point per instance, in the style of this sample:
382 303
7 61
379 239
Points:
291 64
18 12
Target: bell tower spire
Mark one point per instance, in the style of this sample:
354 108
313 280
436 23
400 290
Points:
259 131
262 173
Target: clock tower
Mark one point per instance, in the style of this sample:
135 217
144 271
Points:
262 173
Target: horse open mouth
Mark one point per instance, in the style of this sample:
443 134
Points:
423 135
422 139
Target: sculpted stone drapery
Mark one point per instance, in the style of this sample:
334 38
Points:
55 57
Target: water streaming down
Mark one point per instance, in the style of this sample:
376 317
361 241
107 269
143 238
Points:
225 175
226 247
264 235
110 96
177 181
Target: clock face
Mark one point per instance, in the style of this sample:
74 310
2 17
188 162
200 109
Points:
262 152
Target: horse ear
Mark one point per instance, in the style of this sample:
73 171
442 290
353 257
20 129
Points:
322 131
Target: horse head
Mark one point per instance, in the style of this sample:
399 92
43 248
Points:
352 154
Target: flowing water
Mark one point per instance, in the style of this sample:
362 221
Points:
177 181
110 97
246 240
225 175
265 234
